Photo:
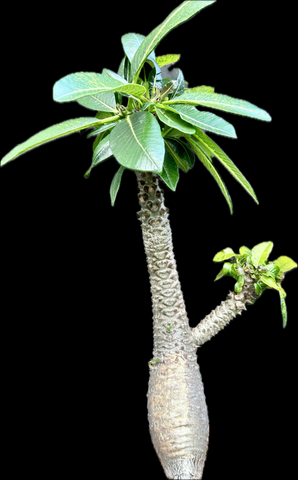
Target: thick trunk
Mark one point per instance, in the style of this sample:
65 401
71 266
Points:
177 412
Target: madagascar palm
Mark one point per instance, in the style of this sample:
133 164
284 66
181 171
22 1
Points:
150 124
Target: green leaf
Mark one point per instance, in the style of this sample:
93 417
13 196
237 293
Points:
111 74
260 253
178 153
155 78
80 84
205 120
285 263
101 152
244 250
270 282
116 184
239 284
99 139
180 85
104 115
201 89
283 308
224 255
147 105
174 121
167 59
220 275
272 268
167 88
131 42
51 133
104 102
169 132
182 13
207 162
226 161
137 143
170 172
102 128
189 156
222 102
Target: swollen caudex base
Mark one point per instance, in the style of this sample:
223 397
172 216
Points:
177 411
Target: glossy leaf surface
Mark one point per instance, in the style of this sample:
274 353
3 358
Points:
167 59
178 153
102 128
285 263
223 255
77 85
182 13
137 143
226 161
205 120
272 283
170 171
101 152
51 133
180 85
223 102
174 121
261 252
116 184
103 102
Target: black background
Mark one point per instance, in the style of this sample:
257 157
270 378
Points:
76 307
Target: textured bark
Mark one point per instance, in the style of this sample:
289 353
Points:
177 411
224 313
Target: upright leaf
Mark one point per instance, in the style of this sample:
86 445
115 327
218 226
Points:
285 263
167 59
180 85
260 253
244 250
174 120
170 172
137 143
116 184
208 164
182 13
51 133
226 161
222 102
77 85
205 120
224 254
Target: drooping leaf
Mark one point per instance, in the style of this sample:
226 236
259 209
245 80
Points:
51 133
189 156
102 128
137 143
101 152
222 102
205 120
99 139
259 287
80 84
270 282
104 102
226 161
116 184
207 162
201 89
260 253
169 132
285 263
180 85
178 153
167 59
174 121
223 255
170 171
182 13
244 250
283 308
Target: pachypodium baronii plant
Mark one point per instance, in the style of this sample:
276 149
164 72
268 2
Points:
150 124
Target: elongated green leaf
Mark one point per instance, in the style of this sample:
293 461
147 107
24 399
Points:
205 148
285 263
270 282
220 275
174 120
167 59
167 88
222 102
178 153
205 120
137 143
116 184
208 164
111 74
102 152
99 139
169 132
147 105
244 250
131 42
123 70
226 161
170 171
103 102
189 156
155 78
201 89
180 85
223 255
182 13
260 253
102 128
283 308
77 85
51 133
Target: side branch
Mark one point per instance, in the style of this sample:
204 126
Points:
224 313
